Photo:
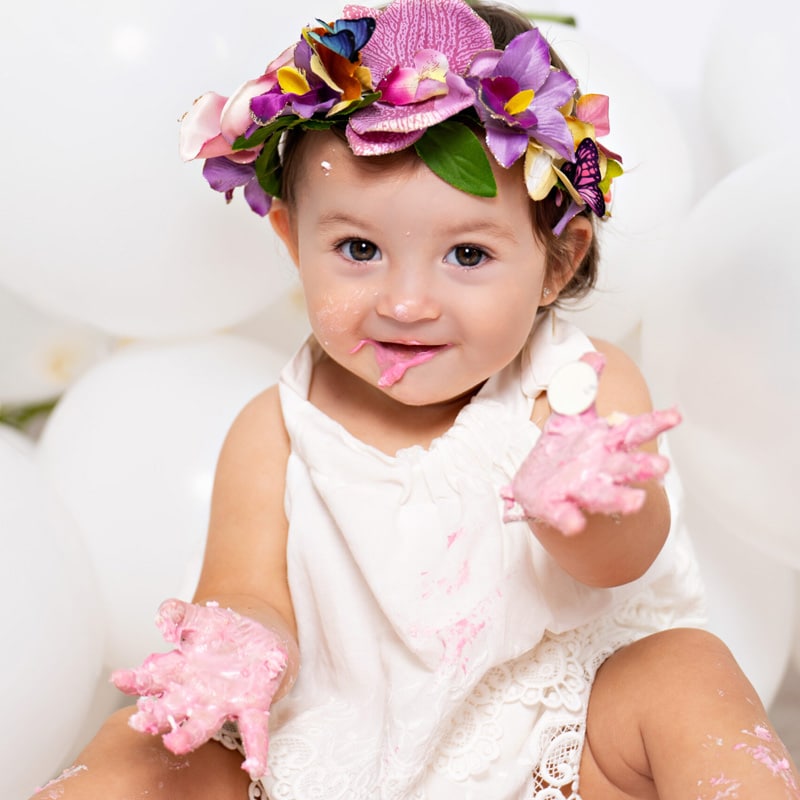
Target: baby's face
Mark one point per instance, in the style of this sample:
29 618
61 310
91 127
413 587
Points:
415 287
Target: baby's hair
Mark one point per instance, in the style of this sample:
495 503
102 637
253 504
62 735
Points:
505 23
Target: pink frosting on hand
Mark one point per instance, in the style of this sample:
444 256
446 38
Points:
584 463
395 359
225 667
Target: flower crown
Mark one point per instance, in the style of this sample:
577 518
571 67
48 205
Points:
421 73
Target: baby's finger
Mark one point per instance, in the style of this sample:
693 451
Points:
151 717
254 730
171 708
563 515
611 498
193 731
635 431
637 465
132 681
170 619
157 673
595 359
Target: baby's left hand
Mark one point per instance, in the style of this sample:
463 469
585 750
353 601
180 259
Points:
583 463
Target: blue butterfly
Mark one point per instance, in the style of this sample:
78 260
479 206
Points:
345 37
584 175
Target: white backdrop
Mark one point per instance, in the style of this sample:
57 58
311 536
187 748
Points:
130 290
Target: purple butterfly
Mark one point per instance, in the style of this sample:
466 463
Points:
584 175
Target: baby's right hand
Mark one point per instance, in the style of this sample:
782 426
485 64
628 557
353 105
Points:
225 667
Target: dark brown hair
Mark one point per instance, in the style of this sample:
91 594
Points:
505 23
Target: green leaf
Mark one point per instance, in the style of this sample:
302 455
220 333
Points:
260 135
20 417
318 124
366 100
454 153
563 19
268 166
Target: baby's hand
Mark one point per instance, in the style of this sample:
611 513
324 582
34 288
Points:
583 463
225 667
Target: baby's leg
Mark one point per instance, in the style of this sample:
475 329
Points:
672 717
122 764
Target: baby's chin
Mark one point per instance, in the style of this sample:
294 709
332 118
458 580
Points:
420 395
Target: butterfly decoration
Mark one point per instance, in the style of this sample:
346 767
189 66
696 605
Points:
345 37
584 176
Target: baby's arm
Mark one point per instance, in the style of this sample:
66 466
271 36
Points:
244 567
236 646
577 456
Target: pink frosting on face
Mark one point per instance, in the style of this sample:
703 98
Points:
394 359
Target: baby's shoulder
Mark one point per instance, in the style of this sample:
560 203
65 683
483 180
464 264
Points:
622 386
258 431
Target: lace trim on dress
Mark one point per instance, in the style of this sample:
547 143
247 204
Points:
552 681
556 776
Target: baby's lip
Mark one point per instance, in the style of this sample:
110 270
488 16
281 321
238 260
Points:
398 345
413 346
395 357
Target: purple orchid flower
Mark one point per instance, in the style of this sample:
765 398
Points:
520 97
224 175
417 56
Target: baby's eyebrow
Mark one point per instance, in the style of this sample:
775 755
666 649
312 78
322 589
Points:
334 218
481 227
461 229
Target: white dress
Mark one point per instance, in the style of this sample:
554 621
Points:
445 655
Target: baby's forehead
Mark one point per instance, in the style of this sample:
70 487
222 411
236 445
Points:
325 154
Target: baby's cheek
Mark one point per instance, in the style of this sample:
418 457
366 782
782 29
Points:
336 314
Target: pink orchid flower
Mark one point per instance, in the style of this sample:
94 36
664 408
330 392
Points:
214 122
423 84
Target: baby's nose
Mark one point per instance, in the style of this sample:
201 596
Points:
409 297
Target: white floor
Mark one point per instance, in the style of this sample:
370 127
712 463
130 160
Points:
785 711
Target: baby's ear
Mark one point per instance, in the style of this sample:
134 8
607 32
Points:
576 239
283 224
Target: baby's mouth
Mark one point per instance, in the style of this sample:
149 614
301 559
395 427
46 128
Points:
394 358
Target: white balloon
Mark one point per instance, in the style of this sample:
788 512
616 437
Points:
750 78
655 192
42 354
723 342
132 447
52 624
751 597
102 222
21 441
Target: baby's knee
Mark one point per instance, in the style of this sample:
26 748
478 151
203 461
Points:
673 678
654 691
681 660
676 648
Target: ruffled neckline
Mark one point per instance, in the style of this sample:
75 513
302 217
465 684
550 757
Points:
513 390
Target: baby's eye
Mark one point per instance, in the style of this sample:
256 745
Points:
359 250
466 255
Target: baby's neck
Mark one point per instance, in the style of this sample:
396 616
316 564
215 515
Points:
376 418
